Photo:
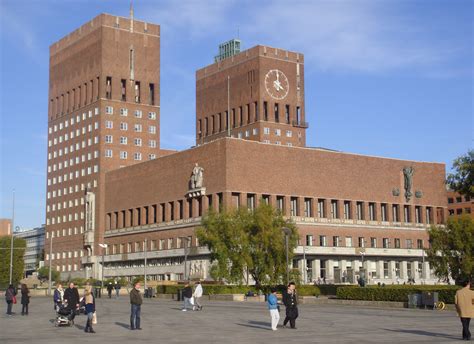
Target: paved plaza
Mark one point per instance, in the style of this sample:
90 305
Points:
232 322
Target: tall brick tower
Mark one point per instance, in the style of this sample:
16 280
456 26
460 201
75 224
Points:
257 94
104 111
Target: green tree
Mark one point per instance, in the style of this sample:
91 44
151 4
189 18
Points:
18 262
243 241
451 253
462 180
43 274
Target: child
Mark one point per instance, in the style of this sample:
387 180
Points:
273 307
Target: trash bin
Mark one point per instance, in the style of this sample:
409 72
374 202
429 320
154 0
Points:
414 300
428 299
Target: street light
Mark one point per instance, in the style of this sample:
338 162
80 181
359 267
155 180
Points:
186 240
144 272
50 259
287 232
11 241
103 246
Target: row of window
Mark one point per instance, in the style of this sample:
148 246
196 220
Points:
152 245
109 110
78 146
72 134
136 86
71 189
289 144
243 116
458 199
73 120
73 161
76 174
459 211
64 232
337 241
124 141
138 128
109 153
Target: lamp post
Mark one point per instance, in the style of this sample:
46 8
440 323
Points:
103 246
287 232
11 241
50 259
144 268
186 240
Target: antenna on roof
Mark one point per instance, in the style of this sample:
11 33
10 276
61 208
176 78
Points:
131 15
238 33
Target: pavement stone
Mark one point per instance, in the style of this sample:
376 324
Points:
232 322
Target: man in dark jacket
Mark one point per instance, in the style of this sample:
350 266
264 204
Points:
110 288
187 295
10 297
71 296
290 299
136 302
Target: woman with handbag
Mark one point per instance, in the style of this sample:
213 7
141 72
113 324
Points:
10 298
90 308
25 299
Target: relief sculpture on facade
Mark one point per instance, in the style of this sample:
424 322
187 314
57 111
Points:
408 177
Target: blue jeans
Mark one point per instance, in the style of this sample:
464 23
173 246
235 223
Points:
135 317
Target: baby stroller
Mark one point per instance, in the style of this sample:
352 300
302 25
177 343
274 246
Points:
64 315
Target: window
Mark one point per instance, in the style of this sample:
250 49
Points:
397 242
138 142
334 209
151 156
308 207
459 199
409 243
123 140
277 132
108 88
395 216
123 126
152 129
280 203
109 110
138 128
386 243
151 89
250 201
289 133
322 241
419 244
277 113
335 241
383 212
123 155
287 114
360 210
123 112
348 241
321 210
429 215
108 139
406 213
108 153
361 242
294 206
309 240
372 211
255 131
385 270
347 210
137 91
265 111
152 115
266 131
137 156
418 214
138 113
373 242
109 124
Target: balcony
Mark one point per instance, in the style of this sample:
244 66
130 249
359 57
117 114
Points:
300 124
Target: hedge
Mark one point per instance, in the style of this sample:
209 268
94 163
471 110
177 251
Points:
394 292
234 289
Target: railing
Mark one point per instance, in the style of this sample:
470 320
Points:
300 124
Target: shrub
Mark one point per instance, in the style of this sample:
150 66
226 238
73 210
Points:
331 289
394 293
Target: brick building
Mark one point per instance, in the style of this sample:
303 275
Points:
5 227
459 204
353 212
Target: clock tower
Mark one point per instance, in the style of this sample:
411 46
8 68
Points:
256 94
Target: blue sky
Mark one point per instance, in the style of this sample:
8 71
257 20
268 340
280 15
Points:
384 78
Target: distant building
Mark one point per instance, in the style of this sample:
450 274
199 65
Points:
5 226
459 204
34 248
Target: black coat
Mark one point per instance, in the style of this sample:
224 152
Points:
187 292
72 297
291 304
25 297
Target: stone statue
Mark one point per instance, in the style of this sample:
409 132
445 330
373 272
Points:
408 176
197 177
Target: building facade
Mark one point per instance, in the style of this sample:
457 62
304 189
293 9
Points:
354 213
34 253
459 204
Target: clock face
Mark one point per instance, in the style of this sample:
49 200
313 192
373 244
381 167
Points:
276 84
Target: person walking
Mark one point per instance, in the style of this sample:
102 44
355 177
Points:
272 301
110 288
25 299
187 295
117 289
90 308
58 296
10 298
136 301
197 296
290 299
464 301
